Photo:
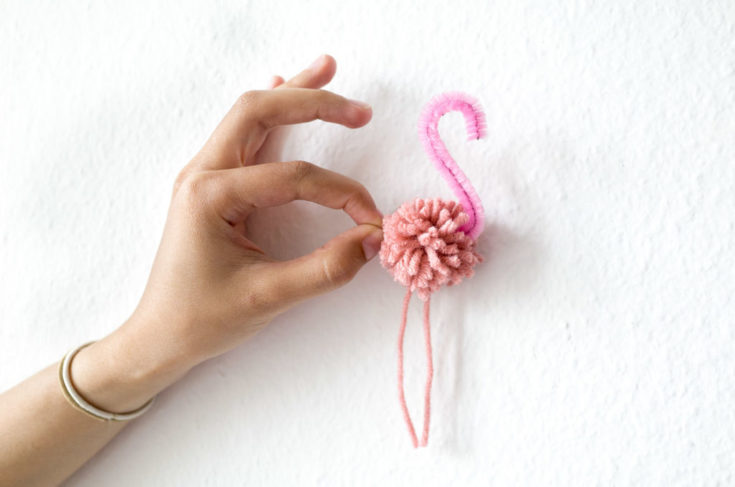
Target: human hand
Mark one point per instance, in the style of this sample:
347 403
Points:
211 287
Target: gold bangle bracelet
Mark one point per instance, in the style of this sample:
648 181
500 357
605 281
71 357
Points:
76 399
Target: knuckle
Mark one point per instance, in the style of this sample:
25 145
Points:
361 193
336 272
194 187
264 295
249 98
258 301
180 178
326 96
252 106
301 170
358 197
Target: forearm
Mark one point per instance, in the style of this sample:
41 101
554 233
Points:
44 439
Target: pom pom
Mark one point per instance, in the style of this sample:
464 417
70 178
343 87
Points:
423 247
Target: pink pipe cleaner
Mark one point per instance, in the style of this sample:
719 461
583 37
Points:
429 135
431 242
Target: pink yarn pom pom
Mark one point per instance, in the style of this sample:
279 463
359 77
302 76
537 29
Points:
423 247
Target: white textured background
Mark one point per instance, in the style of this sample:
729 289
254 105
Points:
596 344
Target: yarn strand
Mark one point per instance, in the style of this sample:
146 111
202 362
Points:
429 373
401 393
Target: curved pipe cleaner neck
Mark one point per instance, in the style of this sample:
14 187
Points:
438 153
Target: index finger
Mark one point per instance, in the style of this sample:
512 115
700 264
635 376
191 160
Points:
277 183
243 130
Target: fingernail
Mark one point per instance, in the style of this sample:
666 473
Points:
361 104
317 63
371 244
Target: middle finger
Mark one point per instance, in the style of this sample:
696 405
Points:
243 130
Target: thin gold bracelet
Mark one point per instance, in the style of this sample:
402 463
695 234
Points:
76 399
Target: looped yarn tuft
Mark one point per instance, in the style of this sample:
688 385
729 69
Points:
423 247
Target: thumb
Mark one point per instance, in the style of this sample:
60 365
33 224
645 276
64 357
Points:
327 268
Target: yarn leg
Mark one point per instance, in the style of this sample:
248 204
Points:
401 394
429 374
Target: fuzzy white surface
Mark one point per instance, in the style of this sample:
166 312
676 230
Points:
593 347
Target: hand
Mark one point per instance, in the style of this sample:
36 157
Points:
211 287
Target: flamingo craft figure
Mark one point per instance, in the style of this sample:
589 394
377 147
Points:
431 242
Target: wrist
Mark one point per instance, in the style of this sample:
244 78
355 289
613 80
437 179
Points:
125 369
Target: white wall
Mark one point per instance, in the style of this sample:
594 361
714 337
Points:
593 347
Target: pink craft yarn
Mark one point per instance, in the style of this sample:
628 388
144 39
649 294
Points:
423 247
428 243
